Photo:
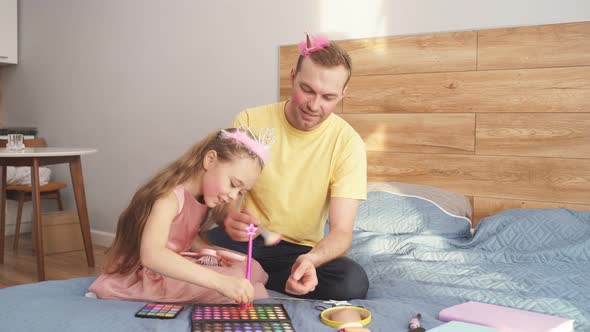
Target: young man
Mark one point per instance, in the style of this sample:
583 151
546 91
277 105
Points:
317 170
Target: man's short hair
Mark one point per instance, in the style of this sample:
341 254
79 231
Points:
329 56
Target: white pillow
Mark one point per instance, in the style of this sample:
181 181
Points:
453 203
22 175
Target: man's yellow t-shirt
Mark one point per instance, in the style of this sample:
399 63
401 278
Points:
305 169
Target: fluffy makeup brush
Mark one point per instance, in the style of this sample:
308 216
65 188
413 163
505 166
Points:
270 238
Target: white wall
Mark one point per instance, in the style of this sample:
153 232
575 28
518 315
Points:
142 80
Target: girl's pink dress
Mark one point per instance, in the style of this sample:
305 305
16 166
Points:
147 285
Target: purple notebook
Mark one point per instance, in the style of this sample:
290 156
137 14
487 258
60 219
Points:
505 319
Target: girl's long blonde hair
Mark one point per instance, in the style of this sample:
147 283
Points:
123 255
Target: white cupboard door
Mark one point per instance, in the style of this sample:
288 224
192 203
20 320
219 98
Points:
8 32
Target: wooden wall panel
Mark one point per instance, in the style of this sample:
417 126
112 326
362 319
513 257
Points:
527 178
284 89
471 198
552 45
442 52
528 90
485 206
288 56
453 51
428 133
565 135
502 115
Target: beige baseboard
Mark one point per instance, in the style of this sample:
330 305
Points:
101 238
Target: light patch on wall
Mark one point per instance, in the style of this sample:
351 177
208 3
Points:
364 18
376 140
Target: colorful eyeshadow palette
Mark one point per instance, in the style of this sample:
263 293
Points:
243 327
159 310
232 312
259 317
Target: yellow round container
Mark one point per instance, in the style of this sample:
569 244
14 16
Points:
326 314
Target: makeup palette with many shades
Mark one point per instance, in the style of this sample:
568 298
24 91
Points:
230 318
159 310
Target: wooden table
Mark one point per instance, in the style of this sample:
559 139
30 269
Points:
34 158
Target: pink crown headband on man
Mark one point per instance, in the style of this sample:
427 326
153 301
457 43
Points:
259 145
312 44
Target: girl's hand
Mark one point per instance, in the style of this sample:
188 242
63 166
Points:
238 289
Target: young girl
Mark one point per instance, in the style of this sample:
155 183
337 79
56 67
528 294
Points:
165 218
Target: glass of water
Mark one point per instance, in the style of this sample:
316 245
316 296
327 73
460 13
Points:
15 142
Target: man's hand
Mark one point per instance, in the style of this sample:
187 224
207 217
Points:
303 278
236 222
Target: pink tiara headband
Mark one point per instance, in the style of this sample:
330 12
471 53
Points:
260 144
312 44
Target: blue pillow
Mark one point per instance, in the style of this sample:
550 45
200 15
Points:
540 232
397 214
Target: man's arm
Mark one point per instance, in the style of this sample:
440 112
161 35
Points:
339 239
350 180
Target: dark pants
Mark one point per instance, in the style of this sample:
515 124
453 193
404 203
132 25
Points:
339 279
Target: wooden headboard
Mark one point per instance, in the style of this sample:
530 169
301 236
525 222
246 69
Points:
501 116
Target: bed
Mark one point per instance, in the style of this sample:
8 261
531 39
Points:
533 259
478 153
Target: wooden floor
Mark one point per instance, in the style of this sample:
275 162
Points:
21 267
